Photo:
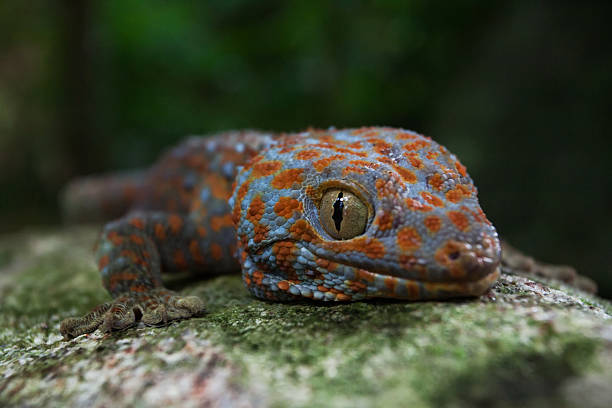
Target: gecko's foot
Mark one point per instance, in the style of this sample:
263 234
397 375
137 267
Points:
154 308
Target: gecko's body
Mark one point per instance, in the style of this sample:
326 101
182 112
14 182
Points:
325 215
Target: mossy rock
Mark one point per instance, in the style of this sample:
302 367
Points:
526 343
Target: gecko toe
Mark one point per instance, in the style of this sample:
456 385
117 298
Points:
193 304
169 306
75 326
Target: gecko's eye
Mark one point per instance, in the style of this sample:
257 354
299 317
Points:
342 214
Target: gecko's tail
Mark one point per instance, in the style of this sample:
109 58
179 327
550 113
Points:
101 198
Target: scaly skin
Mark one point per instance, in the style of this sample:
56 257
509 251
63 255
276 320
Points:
254 201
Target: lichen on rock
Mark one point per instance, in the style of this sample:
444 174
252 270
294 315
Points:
529 342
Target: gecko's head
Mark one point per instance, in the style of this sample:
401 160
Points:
371 212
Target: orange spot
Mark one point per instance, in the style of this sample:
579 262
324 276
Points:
323 263
202 232
407 175
461 168
416 145
364 163
387 160
302 230
287 149
370 247
160 232
436 181
287 178
414 161
258 277
307 155
322 288
216 252
220 221
102 262
136 239
431 155
320 165
137 223
336 148
355 145
433 223
353 169
115 238
385 221
138 288
415 205
447 255
179 259
266 168
408 239
432 199
283 285
242 191
133 256
459 219
458 193
284 253
176 223
478 215
261 232
356 286
256 210
380 146
364 275
413 290
381 188
405 136
286 206
122 277
194 250
342 297
390 283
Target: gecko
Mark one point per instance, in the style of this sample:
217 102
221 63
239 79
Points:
324 215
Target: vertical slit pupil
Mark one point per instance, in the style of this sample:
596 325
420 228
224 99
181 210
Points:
338 209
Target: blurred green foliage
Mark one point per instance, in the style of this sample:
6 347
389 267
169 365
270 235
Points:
519 90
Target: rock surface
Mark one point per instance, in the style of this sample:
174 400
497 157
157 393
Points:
531 341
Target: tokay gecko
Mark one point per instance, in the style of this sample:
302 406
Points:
326 215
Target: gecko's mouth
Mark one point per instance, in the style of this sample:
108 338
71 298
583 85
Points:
347 282
455 269
458 269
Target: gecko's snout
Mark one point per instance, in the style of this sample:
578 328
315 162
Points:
469 261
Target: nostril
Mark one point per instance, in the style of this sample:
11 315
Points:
453 255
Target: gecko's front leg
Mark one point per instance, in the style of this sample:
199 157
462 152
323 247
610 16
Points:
131 253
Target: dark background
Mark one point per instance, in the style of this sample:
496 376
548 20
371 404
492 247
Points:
519 90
